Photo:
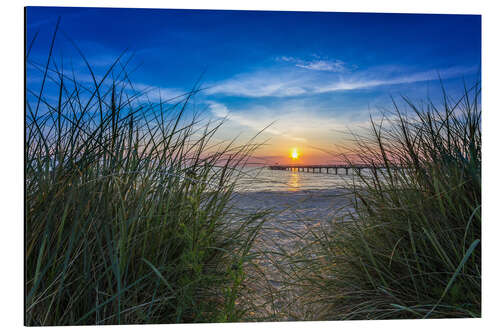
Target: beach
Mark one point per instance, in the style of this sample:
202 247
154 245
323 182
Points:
217 166
293 215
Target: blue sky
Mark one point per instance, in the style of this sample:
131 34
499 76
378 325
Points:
312 75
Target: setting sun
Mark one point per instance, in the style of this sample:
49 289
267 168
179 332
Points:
295 154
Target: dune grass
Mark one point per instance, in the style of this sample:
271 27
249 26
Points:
411 247
128 217
129 220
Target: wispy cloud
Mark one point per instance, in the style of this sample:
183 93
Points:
431 75
259 121
318 64
297 121
259 84
286 83
322 65
157 94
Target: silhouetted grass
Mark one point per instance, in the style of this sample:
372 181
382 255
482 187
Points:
411 248
128 217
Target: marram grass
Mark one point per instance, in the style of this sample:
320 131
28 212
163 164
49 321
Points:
411 248
127 215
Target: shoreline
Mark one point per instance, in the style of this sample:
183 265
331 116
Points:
323 201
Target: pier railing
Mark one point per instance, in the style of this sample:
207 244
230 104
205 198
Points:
319 168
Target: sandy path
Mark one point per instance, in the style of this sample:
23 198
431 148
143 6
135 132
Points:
292 216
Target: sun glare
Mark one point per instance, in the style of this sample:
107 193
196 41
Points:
295 154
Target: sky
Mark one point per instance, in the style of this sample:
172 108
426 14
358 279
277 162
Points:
307 79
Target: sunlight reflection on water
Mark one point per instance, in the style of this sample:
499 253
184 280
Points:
258 179
294 181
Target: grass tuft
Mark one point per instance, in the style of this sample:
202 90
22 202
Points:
411 248
128 215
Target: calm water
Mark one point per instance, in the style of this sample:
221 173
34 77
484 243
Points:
261 179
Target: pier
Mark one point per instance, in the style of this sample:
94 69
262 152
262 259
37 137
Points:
326 168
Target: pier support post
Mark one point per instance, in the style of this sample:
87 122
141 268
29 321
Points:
312 168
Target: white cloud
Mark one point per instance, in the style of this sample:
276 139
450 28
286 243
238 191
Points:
259 84
287 83
219 110
318 64
155 93
260 120
293 121
361 83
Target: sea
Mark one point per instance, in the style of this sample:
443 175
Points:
262 179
